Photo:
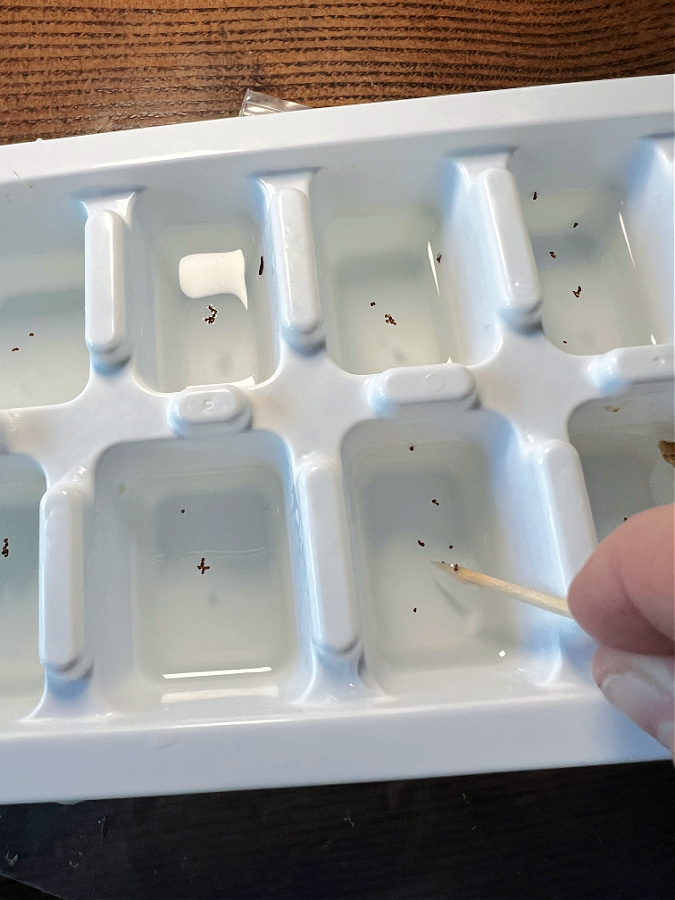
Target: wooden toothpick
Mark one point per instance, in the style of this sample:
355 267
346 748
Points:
535 598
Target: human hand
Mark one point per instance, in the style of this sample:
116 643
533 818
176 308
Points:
624 598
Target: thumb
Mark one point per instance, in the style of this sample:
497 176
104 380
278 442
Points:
641 687
623 597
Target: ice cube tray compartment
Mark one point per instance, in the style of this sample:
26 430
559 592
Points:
22 485
44 359
293 360
201 261
382 273
602 247
165 512
618 440
446 490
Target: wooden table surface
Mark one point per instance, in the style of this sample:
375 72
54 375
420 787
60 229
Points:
576 833
85 67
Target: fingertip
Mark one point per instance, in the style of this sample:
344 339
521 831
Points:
623 596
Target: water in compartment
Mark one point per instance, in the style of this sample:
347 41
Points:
207 320
623 455
381 286
602 240
43 356
593 299
414 498
22 485
199 569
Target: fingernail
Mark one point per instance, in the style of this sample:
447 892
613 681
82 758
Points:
641 687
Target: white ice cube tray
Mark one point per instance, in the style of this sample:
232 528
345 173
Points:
256 374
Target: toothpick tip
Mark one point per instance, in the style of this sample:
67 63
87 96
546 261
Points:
452 568
535 598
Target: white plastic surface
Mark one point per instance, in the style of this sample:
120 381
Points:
257 374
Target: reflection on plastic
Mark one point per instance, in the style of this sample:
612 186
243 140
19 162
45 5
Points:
203 275
217 672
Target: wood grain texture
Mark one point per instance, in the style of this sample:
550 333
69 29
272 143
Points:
101 66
